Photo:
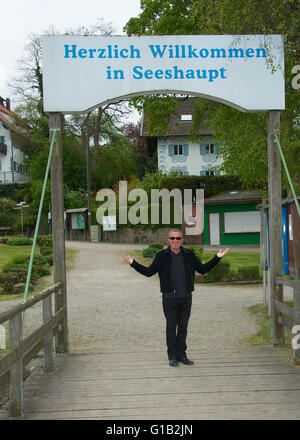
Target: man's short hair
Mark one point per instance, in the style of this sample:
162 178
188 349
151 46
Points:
176 230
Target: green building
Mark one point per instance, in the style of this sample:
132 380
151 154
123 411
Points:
232 218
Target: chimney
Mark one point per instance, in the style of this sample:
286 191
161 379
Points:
7 103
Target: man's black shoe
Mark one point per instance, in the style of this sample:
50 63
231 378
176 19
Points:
173 363
185 361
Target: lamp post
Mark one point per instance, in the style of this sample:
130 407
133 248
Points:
21 206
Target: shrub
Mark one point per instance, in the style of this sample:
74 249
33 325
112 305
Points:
20 262
50 260
248 273
150 252
46 250
9 279
19 241
7 219
198 251
44 240
156 245
16 270
221 272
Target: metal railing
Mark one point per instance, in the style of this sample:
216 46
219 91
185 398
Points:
22 351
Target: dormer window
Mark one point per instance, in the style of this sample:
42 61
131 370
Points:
186 117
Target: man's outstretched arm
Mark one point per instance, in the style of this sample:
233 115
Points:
206 267
144 270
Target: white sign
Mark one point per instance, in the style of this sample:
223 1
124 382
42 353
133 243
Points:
109 223
245 72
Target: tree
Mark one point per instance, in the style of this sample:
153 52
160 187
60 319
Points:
243 143
101 126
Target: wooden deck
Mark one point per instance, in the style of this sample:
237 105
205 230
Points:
243 383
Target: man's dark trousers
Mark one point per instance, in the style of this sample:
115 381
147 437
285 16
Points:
177 312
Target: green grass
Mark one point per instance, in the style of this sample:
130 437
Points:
9 252
263 336
238 259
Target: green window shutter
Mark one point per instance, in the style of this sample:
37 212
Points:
185 149
171 150
202 148
202 173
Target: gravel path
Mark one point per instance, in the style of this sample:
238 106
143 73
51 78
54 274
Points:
112 308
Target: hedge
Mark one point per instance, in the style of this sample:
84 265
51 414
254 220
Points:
19 241
211 184
150 252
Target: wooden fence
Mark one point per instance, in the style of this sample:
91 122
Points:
22 351
288 316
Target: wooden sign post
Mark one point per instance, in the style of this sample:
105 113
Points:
58 232
275 222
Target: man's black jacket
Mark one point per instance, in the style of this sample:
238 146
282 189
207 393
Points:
162 264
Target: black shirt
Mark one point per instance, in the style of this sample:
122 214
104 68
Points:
178 277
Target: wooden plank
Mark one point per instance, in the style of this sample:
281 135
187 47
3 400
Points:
24 305
291 313
108 386
28 343
287 282
48 339
287 322
16 370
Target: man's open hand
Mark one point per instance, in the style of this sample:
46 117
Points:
128 258
222 252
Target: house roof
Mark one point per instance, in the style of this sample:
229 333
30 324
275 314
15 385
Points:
72 211
236 196
177 127
7 122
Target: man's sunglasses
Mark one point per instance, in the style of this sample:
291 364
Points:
175 238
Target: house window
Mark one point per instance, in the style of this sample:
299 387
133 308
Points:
186 117
209 149
209 173
178 149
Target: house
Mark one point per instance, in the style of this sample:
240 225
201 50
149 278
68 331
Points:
176 152
12 167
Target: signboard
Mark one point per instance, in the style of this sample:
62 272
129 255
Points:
78 220
243 71
109 223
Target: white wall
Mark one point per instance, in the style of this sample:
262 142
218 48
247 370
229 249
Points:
192 163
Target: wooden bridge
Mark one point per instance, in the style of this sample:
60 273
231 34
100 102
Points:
246 382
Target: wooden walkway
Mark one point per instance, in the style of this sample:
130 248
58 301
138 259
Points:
244 383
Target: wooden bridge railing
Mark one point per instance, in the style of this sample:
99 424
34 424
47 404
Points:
22 351
288 316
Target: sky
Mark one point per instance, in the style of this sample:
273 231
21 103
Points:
20 18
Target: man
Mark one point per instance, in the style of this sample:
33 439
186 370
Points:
176 267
